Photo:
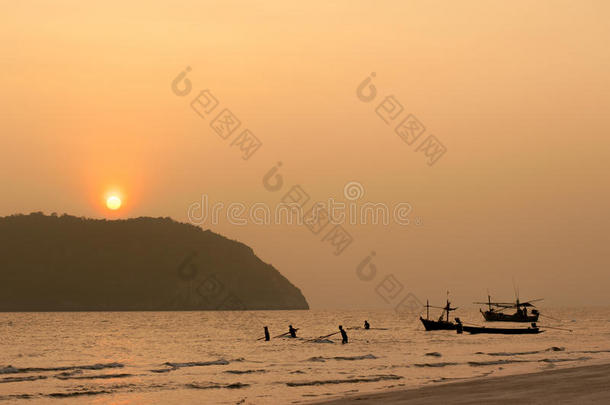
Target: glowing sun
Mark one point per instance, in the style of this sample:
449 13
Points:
113 202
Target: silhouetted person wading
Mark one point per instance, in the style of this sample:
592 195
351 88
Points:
267 334
343 335
292 331
367 325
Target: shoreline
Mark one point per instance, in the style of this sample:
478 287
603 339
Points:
572 385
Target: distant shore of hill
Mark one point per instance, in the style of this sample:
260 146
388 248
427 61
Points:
67 263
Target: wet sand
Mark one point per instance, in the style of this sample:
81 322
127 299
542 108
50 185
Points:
577 385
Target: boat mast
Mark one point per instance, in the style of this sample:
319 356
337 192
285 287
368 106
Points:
448 306
427 309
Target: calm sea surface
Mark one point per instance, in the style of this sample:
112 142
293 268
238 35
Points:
214 357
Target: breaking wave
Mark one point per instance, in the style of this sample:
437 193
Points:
245 371
20 379
69 373
162 370
345 381
500 362
77 393
93 377
340 358
199 386
219 362
363 357
565 359
496 362
15 396
550 349
443 364
99 366
175 366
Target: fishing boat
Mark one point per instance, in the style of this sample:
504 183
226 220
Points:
495 312
440 324
502 331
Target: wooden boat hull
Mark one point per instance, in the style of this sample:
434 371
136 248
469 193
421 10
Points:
437 325
492 316
501 331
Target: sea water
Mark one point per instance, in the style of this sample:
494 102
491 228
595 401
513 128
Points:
215 357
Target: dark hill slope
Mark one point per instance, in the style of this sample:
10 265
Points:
50 263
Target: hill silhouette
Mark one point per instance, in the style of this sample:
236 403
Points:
66 263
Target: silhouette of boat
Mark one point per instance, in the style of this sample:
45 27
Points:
502 331
440 324
495 312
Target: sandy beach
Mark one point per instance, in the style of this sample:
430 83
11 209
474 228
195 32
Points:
577 385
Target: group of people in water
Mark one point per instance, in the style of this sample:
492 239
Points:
293 332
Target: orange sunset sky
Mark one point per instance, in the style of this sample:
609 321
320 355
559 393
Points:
518 92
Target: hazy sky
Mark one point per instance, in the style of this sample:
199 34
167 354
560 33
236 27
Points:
518 92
